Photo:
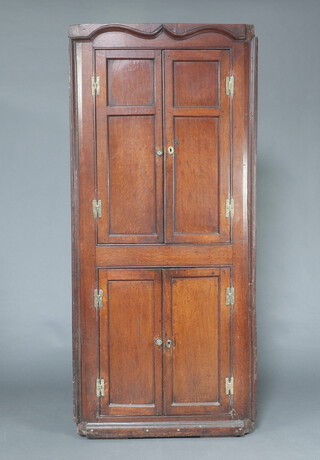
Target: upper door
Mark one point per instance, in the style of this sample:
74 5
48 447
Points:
130 130
128 135
197 139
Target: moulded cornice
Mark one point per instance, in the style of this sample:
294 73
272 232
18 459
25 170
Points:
152 31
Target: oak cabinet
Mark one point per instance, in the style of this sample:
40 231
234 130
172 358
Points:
163 205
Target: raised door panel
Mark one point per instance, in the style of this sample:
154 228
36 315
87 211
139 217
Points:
130 361
129 133
197 127
198 322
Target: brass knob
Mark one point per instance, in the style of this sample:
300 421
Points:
170 150
158 341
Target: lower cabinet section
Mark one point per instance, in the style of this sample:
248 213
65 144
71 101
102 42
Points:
165 344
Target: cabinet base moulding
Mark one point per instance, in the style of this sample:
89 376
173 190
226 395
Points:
166 429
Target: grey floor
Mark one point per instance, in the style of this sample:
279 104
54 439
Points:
37 424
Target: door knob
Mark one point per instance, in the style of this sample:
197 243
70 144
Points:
159 153
170 150
169 343
158 341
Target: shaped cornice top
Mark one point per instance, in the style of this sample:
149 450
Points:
177 31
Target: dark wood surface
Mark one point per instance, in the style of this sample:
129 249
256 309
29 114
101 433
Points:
129 132
197 322
129 360
164 251
197 120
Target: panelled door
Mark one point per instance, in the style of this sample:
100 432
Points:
197 136
192 341
197 323
130 362
129 135
163 146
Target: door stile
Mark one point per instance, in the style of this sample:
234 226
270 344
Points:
167 334
164 144
168 140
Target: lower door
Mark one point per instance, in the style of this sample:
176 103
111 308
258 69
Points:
197 341
177 365
130 359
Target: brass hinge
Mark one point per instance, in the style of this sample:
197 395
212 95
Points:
229 207
95 86
98 298
230 85
96 209
229 386
100 387
230 296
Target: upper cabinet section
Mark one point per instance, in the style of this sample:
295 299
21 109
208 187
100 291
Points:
164 134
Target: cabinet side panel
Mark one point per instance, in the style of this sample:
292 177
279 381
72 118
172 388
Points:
243 320
83 191
253 105
76 358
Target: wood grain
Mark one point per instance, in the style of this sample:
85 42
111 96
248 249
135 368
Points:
198 175
152 30
129 132
130 362
198 323
163 251
176 255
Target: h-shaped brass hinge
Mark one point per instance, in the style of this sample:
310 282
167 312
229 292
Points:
229 386
230 85
229 207
95 86
100 387
98 298
230 296
96 209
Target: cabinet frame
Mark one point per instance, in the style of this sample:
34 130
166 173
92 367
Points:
87 256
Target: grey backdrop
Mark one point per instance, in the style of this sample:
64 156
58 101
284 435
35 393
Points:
35 352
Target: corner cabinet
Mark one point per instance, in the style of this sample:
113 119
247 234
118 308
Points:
163 216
